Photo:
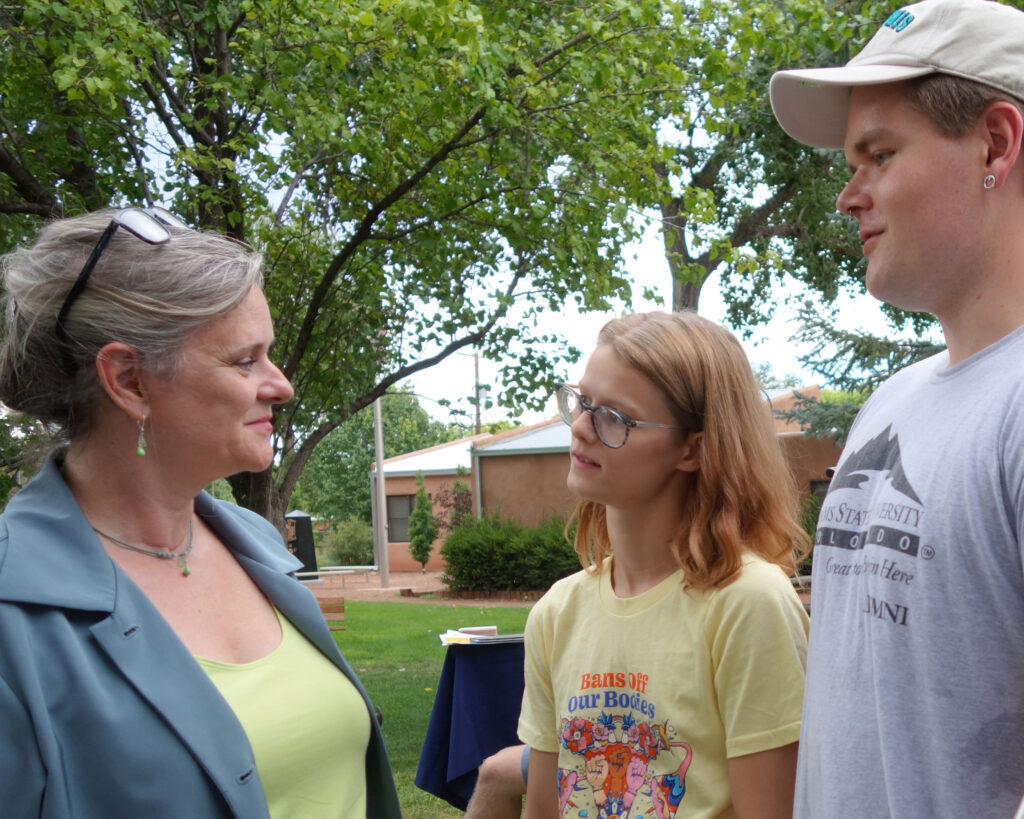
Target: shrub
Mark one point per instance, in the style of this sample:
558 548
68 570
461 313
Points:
545 555
810 508
346 543
492 554
423 528
455 503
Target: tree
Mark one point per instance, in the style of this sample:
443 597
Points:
856 363
347 542
336 481
423 175
22 451
423 528
829 416
753 204
455 502
768 380
738 196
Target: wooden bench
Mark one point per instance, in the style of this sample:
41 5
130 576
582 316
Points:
333 609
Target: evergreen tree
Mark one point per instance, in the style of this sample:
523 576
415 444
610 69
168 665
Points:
855 363
423 528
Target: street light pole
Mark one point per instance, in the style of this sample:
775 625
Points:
380 531
476 388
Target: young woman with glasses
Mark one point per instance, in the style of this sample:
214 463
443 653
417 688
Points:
665 679
156 658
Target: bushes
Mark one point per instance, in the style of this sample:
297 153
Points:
346 543
500 555
810 508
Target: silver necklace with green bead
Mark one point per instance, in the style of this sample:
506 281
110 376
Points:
179 557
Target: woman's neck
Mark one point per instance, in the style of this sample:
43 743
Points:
641 542
123 494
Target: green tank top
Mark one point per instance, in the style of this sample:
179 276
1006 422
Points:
307 725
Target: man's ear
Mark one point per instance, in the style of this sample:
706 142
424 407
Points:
119 368
1003 131
691 457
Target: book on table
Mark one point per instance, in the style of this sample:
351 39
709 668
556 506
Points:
477 635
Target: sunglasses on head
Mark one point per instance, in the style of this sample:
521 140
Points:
148 224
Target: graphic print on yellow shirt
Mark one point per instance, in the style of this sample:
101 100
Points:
621 758
645 699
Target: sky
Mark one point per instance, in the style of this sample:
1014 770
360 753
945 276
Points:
647 268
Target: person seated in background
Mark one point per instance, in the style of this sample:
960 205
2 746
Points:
501 785
156 658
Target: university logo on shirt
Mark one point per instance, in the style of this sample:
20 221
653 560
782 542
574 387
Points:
870 528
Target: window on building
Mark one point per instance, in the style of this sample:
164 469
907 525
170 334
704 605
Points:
399 510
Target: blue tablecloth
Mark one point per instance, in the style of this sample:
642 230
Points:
475 714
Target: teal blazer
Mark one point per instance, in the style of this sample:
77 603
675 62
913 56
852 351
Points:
103 711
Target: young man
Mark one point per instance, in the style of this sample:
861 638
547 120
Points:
915 683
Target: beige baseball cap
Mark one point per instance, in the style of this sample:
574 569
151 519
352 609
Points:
975 39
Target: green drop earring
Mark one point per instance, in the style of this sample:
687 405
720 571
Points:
141 449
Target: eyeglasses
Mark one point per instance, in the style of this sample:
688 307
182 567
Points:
611 426
148 224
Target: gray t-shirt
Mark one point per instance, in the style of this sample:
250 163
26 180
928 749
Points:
914 703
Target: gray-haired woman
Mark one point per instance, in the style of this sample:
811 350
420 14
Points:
156 658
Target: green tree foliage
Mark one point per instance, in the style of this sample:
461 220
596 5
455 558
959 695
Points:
829 417
768 380
425 176
855 362
423 528
810 509
336 481
23 448
221 490
738 196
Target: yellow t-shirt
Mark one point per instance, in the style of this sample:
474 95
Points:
645 698
308 726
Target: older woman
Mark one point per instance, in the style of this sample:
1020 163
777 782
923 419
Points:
156 659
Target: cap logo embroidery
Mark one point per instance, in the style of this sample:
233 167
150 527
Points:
899 20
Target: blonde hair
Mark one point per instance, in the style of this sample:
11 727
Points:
743 497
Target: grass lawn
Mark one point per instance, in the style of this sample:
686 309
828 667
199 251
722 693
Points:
395 649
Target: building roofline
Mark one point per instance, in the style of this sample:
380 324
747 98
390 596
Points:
418 452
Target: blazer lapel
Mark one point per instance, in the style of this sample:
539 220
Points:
157 663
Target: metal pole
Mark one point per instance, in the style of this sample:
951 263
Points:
476 388
380 531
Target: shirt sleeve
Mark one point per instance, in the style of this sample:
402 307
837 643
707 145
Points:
757 636
538 726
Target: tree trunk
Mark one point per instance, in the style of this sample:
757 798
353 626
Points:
257 491
685 291
685 295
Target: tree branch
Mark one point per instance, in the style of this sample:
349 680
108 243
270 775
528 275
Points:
363 232
38 200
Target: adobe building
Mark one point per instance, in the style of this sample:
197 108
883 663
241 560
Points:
520 474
